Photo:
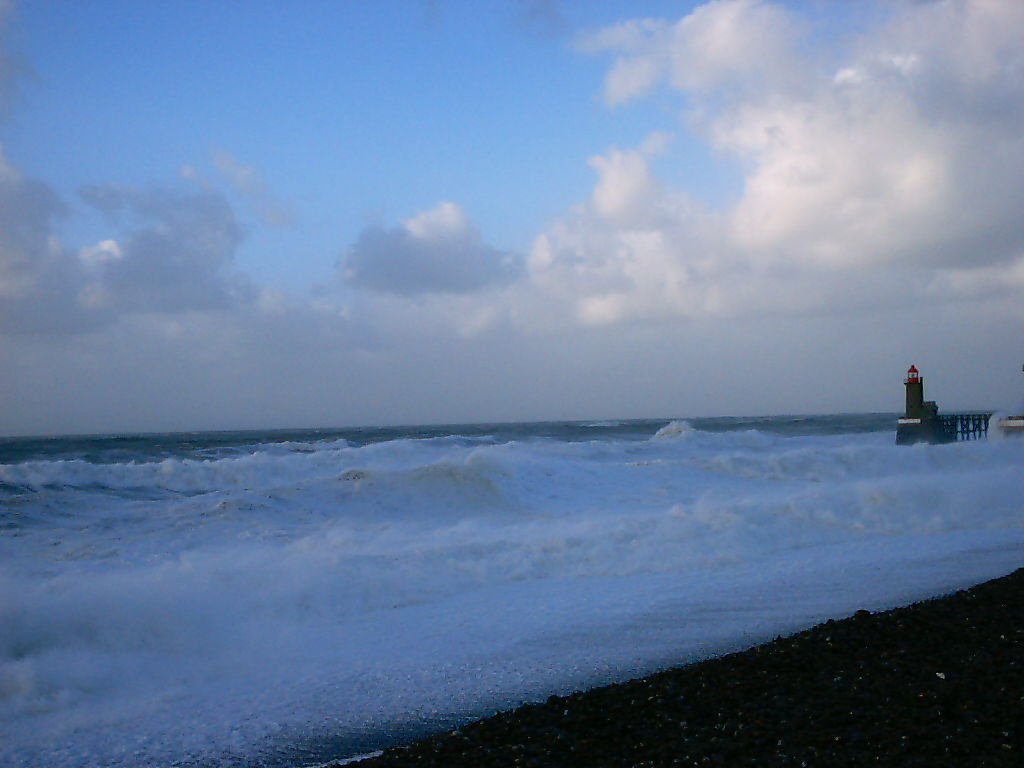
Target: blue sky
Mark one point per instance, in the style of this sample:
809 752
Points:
219 215
352 112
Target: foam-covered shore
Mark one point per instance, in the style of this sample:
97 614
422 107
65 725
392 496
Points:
937 683
285 599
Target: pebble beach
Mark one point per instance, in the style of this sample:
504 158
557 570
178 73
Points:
936 683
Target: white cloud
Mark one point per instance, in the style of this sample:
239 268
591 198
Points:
642 59
735 42
627 191
896 175
911 154
176 253
103 252
438 251
633 36
446 221
637 248
725 43
173 253
39 278
837 183
877 187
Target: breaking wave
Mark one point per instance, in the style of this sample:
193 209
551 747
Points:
228 608
674 429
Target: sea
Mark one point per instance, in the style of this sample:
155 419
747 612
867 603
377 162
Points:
285 598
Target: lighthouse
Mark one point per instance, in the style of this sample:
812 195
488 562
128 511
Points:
920 422
915 393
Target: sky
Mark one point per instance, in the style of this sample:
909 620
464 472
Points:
260 214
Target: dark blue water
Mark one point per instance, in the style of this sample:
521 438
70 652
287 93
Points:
115 449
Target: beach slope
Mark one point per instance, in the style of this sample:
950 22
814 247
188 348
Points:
937 683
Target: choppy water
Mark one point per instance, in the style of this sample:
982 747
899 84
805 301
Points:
285 597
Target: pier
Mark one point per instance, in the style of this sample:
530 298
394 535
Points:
923 424
965 426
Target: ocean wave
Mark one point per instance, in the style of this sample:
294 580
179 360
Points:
674 430
237 602
187 476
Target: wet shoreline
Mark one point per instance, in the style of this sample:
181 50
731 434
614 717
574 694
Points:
940 682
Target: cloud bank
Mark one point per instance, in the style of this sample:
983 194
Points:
906 160
172 252
880 181
437 251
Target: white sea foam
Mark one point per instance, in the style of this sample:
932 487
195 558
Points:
678 428
232 608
